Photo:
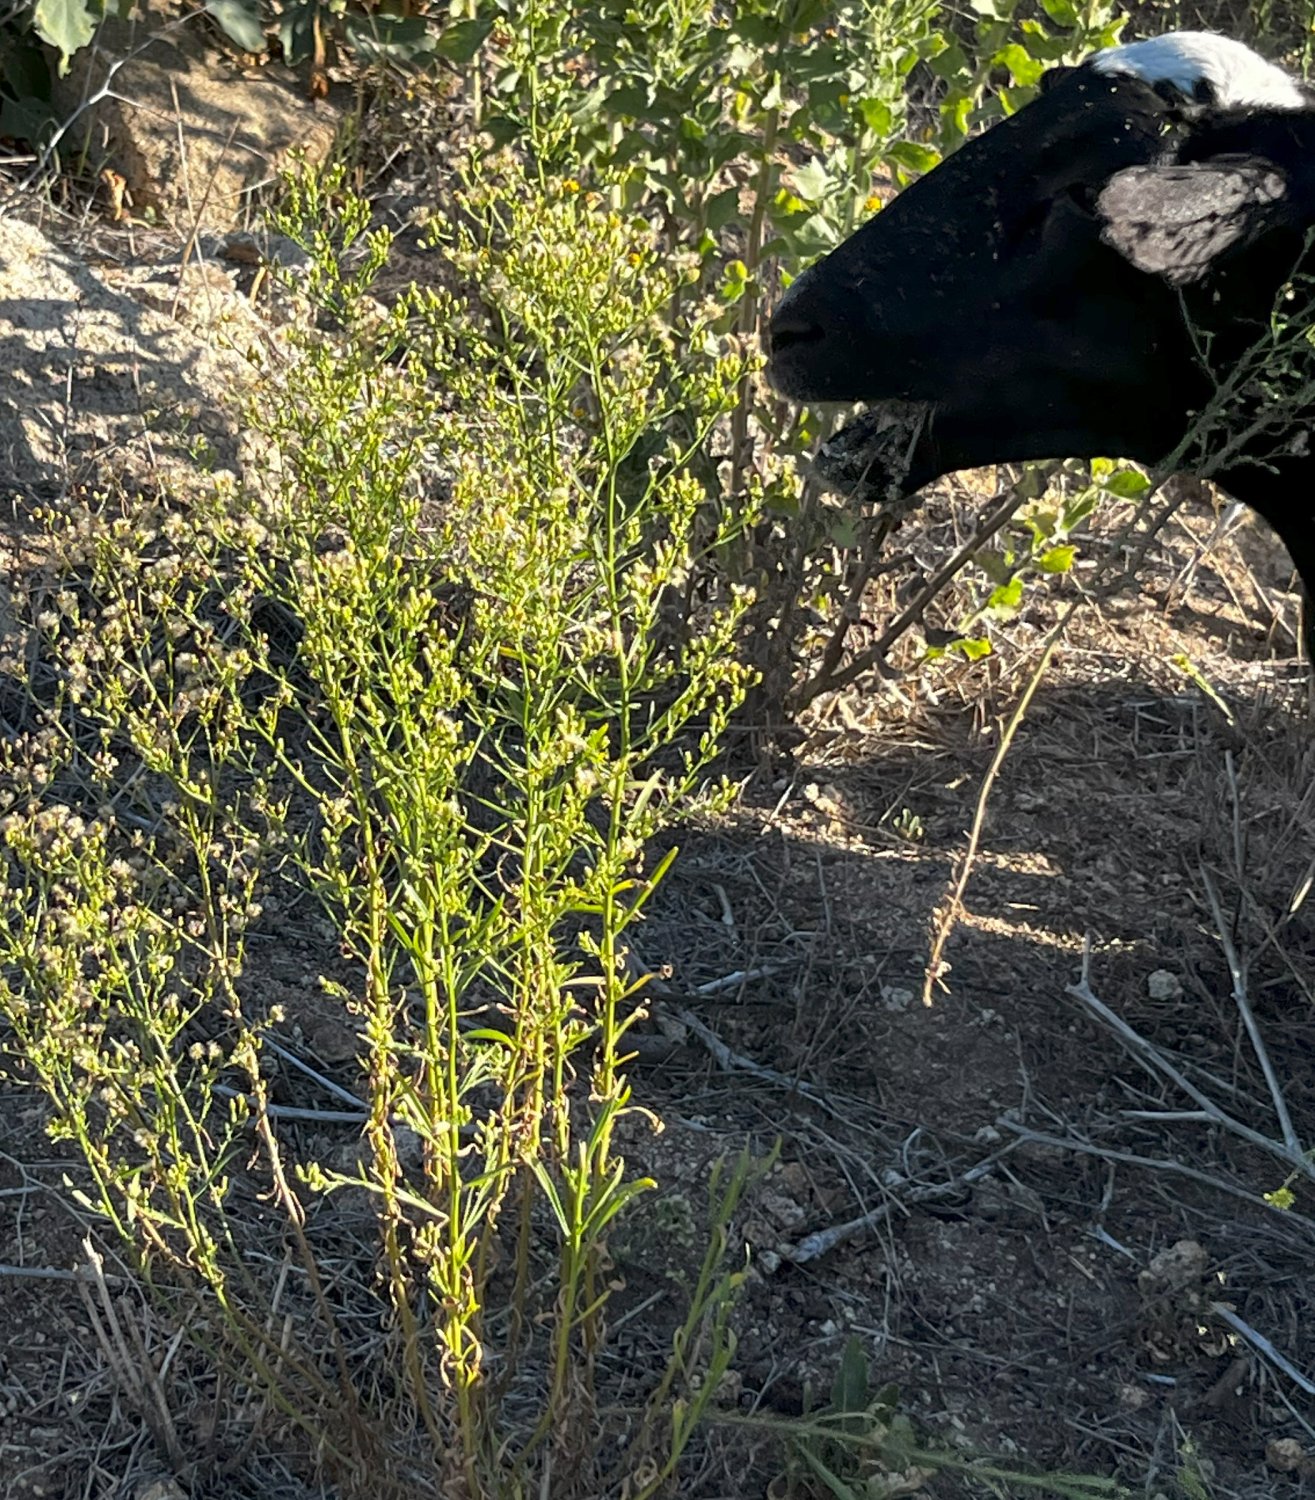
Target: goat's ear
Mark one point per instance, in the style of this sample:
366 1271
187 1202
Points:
1055 75
1175 221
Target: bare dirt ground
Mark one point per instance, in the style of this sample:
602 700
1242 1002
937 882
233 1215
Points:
1063 1260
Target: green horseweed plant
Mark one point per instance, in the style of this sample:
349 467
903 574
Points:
442 678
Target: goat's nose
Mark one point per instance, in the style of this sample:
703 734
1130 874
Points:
791 331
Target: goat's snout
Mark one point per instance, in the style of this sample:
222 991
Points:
810 339
789 331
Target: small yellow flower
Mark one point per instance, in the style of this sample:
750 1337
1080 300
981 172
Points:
872 202
570 185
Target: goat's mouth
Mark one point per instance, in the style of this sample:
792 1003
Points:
872 459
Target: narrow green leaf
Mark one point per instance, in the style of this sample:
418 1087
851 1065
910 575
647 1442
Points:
974 648
1079 509
849 1390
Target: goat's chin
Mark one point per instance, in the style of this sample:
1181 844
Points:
872 460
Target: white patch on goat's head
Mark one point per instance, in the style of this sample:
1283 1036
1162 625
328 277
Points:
1237 77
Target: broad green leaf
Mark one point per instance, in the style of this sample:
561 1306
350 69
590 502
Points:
722 208
297 34
1006 598
631 99
68 25
955 115
951 64
239 20
812 181
1032 482
814 236
590 106
913 156
1025 69
1128 484
398 39
1063 11
877 115
1012 100
25 73
1042 45
994 564
25 119
1057 559
844 533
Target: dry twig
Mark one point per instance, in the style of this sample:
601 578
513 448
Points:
904 1195
1288 1151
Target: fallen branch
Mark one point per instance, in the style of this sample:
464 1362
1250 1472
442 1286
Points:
1155 1163
1262 1346
818 684
823 1240
1287 1151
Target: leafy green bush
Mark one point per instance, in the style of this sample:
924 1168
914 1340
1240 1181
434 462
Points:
756 139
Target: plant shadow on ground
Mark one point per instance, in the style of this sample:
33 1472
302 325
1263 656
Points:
1019 1279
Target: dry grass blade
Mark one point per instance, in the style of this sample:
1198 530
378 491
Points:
1263 1346
125 1351
946 919
1151 1163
